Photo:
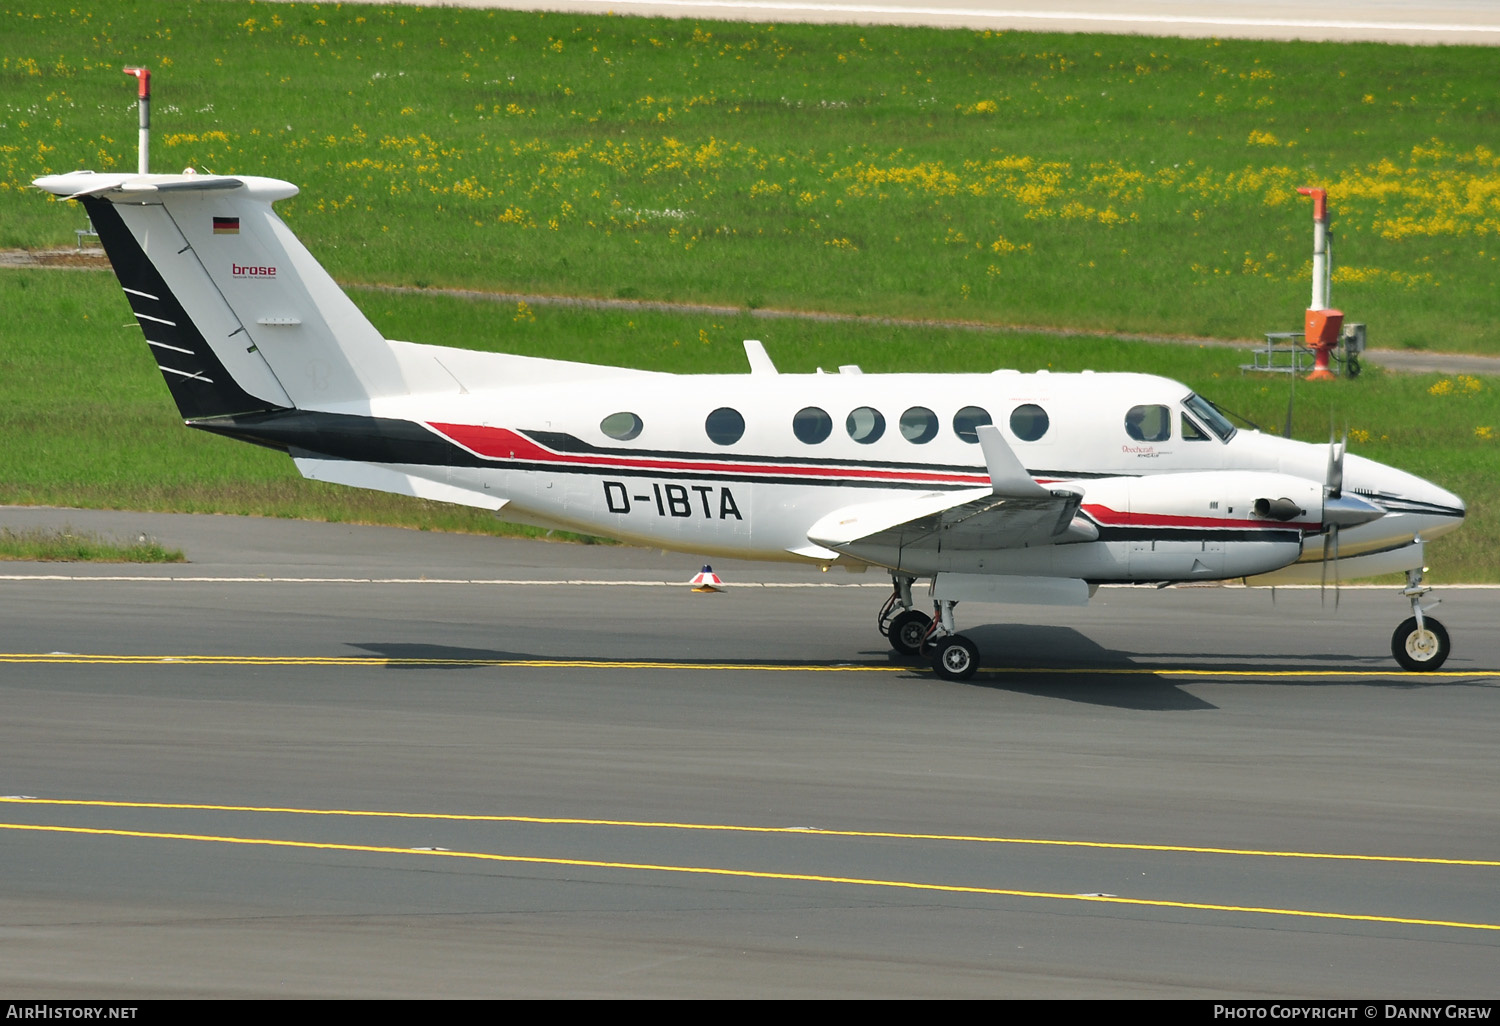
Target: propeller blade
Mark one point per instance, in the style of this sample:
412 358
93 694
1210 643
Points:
1333 536
1333 484
1323 581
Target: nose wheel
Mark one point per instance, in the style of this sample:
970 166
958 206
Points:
1420 647
1420 644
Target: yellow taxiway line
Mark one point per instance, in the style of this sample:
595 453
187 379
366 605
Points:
1101 899
746 829
378 662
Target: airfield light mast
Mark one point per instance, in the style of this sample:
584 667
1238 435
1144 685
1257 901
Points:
1322 324
143 78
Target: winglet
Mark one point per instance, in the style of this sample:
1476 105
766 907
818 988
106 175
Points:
760 363
1007 475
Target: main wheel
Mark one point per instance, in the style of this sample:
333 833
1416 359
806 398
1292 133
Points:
1420 650
907 631
956 658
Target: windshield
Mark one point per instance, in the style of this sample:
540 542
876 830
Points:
1210 415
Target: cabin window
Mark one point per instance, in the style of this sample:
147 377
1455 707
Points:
919 425
865 425
622 426
1192 432
812 425
968 421
724 426
1029 422
1148 423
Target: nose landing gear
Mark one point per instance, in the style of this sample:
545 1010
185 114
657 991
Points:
1420 644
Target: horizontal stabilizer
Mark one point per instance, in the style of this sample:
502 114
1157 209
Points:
399 480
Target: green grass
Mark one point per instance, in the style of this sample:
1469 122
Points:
88 421
1099 182
1109 182
70 546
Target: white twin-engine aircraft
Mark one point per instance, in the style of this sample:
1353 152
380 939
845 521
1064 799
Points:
1002 487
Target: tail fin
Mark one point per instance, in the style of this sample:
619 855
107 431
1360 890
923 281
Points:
239 315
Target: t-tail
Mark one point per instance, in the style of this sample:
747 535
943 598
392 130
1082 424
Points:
240 317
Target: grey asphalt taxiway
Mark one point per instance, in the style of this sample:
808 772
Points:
324 760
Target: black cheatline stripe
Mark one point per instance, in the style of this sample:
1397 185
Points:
196 378
562 442
343 436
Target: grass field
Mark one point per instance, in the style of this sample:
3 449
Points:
1090 181
69 546
1094 181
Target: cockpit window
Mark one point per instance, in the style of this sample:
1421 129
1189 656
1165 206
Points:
1148 423
1191 432
1209 414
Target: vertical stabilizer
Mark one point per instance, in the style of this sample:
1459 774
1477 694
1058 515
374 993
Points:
237 311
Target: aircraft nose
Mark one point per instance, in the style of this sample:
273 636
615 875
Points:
1427 508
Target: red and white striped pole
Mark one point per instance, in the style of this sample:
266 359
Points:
1322 324
143 79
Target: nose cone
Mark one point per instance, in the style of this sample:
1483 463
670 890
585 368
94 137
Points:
1419 507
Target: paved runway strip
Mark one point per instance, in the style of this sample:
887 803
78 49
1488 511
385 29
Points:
337 788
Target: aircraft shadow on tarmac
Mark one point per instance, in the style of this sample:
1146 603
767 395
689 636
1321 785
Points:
1069 666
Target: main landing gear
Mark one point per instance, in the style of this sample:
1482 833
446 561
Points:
914 633
1421 642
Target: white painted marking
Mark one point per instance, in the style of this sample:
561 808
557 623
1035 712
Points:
1081 17
158 320
185 374
143 295
163 345
595 583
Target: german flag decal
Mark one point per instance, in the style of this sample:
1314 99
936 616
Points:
226 226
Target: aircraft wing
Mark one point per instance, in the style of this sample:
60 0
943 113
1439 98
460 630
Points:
1014 511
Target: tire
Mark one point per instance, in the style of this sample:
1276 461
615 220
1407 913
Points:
908 630
1420 651
956 658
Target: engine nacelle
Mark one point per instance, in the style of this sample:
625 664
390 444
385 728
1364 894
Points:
1206 525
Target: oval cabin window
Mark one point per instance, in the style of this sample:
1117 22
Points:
812 425
724 426
622 426
919 425
968 421
865 425
1029 422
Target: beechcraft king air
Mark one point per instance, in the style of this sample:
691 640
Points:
1002 487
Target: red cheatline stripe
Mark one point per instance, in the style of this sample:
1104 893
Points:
1106 517
504 444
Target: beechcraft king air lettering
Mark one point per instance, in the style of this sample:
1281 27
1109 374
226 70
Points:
1002 487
